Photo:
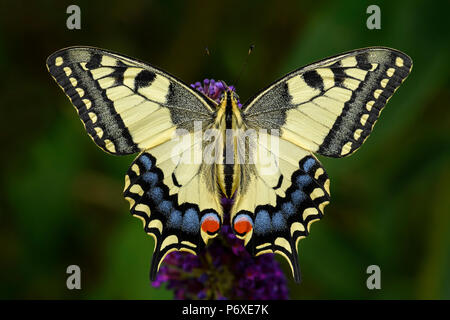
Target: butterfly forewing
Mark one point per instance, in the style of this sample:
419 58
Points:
330 107
124 104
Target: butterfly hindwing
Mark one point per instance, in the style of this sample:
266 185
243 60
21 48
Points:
175 224
126 105
278 199
330 107
279 228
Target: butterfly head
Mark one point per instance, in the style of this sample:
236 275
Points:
228 95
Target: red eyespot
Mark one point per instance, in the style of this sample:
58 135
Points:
242 224
242 227
210 223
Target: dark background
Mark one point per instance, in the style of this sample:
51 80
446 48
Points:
61 197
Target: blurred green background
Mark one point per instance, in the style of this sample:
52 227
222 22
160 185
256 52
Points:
61 197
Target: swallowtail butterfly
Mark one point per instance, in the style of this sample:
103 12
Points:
267 164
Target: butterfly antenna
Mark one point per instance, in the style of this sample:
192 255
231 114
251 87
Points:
250 49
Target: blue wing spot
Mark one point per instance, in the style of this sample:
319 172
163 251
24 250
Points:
278 221
191 223
298 197
288 209
165 207
146 162
262 222
308 164
303 180
151 178
156 194
175 219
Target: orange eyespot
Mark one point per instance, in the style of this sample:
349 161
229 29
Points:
243 224
242 227
210 224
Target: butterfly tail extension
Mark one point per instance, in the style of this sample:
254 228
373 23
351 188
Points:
174 227
296 272
284 247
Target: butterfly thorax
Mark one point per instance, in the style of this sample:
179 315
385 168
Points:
229 122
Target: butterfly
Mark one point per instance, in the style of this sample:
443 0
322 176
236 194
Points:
193 151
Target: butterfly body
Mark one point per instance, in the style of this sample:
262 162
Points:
228 121
193 151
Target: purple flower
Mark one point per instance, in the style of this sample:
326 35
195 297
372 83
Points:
213 89
225 269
